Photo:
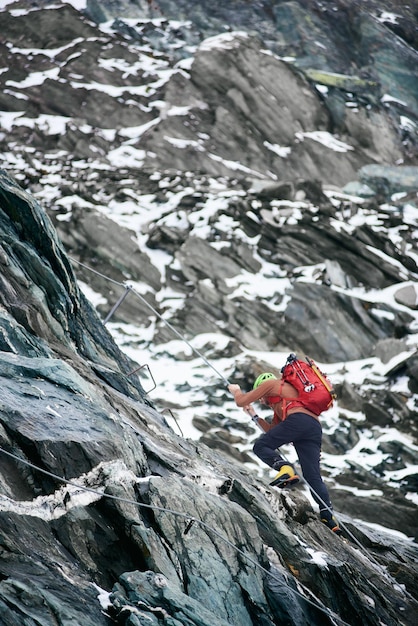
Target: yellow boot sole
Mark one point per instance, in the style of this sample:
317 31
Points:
284 481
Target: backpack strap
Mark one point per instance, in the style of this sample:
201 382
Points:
279 398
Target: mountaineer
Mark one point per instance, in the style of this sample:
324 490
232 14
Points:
293 423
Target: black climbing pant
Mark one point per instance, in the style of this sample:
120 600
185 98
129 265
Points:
305 432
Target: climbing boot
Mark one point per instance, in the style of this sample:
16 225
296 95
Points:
286 477
331 523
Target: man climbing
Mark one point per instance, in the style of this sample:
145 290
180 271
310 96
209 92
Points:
292 422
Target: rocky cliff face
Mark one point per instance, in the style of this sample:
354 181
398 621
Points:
255 186
259 104
107 516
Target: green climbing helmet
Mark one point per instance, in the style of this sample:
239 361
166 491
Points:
260 379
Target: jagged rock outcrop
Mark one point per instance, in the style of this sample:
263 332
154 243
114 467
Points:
386 180
230 108
186 533
351 48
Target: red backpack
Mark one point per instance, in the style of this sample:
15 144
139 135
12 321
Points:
314 389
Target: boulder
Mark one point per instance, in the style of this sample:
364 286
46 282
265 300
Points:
408 296
387 180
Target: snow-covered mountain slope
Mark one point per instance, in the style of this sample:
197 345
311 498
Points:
227 184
